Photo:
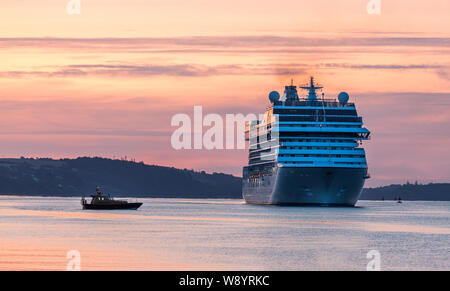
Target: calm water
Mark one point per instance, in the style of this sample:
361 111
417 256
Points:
180 234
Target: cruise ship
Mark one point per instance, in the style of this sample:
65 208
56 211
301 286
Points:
306 151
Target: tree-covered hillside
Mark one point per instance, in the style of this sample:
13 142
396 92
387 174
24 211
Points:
80 176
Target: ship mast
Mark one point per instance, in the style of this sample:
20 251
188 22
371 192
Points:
312 96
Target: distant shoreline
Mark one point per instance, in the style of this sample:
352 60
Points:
81 176
182 197
116 196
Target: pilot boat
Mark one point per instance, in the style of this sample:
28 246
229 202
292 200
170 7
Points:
106 202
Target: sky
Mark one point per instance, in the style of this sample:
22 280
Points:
106 82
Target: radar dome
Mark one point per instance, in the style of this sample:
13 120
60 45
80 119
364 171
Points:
343 98
274 96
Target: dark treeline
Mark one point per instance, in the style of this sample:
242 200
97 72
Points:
432 192
74 177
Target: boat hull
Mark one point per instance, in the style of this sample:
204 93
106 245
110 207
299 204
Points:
305 186
131 206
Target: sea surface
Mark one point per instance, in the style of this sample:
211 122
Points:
38 233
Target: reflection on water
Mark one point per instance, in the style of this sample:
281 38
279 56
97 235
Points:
183 234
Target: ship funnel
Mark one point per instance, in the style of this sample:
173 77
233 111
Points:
291 92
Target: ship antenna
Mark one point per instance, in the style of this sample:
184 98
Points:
312 96
323 107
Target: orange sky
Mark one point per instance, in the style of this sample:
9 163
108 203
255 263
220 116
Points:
107 82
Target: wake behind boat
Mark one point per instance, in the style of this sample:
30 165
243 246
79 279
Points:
103 202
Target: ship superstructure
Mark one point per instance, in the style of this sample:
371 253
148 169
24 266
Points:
306 150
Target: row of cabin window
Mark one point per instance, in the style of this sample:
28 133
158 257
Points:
345 112
310 162
316 140
320 156
315 148
320 125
